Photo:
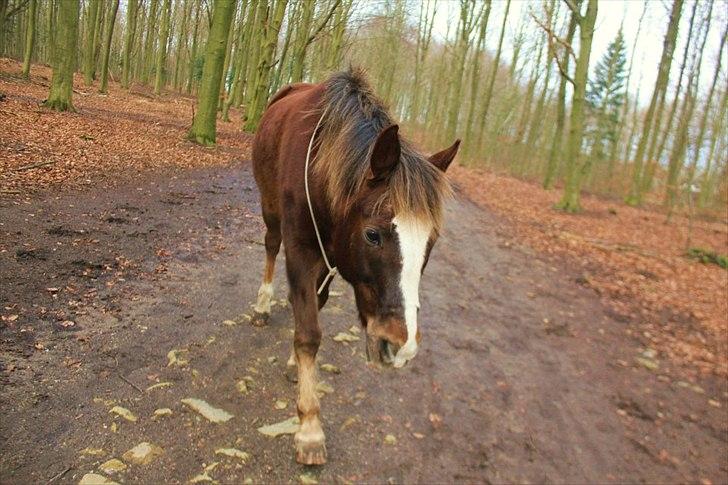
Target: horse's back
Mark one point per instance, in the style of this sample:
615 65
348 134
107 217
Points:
282 136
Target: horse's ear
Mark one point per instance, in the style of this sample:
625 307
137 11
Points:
385 154
442 159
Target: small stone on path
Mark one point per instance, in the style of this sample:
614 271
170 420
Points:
202 478
242 386
390 439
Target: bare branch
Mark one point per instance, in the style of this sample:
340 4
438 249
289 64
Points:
553 38
323 23
573 7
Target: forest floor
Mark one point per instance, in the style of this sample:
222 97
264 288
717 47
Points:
555 348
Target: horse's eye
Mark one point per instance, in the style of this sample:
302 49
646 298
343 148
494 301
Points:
372 236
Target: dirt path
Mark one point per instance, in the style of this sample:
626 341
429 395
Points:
522 376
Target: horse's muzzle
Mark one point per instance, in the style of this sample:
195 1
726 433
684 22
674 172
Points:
380 351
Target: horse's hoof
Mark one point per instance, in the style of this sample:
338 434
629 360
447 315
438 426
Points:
311 453
259 319
292 373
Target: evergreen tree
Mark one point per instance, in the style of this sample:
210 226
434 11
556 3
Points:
605 97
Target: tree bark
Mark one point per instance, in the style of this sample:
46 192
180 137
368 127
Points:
107 48
663 74
491 80
89 48
30 38
203 126
61 90
159 80
570 200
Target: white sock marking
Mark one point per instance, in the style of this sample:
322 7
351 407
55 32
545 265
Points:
265 293
413 235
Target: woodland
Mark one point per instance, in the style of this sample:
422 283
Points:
588 239
553 111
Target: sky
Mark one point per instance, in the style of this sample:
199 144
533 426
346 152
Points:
611 15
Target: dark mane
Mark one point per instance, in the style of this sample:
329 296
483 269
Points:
353 116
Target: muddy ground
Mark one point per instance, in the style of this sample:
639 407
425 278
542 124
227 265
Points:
522 375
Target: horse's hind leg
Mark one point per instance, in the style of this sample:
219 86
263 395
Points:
272 245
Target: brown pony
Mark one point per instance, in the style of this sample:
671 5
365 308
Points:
377 205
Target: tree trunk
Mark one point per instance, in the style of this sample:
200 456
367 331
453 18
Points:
149 43
203 126
260 88
181 43
89 48
653 152
61 91
193 53
424 36
131 22
570 199
458 67
475 77
663 74
558 137
29 38
698 145
107 48
716 135
491 80
159 80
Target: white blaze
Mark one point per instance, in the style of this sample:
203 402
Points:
413 235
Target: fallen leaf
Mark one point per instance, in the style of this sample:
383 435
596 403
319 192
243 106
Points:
233 453
345 337
212 414
124 413
289 426
143 453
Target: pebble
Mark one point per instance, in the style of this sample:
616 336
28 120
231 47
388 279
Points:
143 453
212 414
202 477
390 439
281 404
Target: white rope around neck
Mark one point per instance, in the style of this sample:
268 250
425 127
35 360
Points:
332 269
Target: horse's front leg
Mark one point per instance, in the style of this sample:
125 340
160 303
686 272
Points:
310 441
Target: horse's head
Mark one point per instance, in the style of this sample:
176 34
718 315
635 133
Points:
382 250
